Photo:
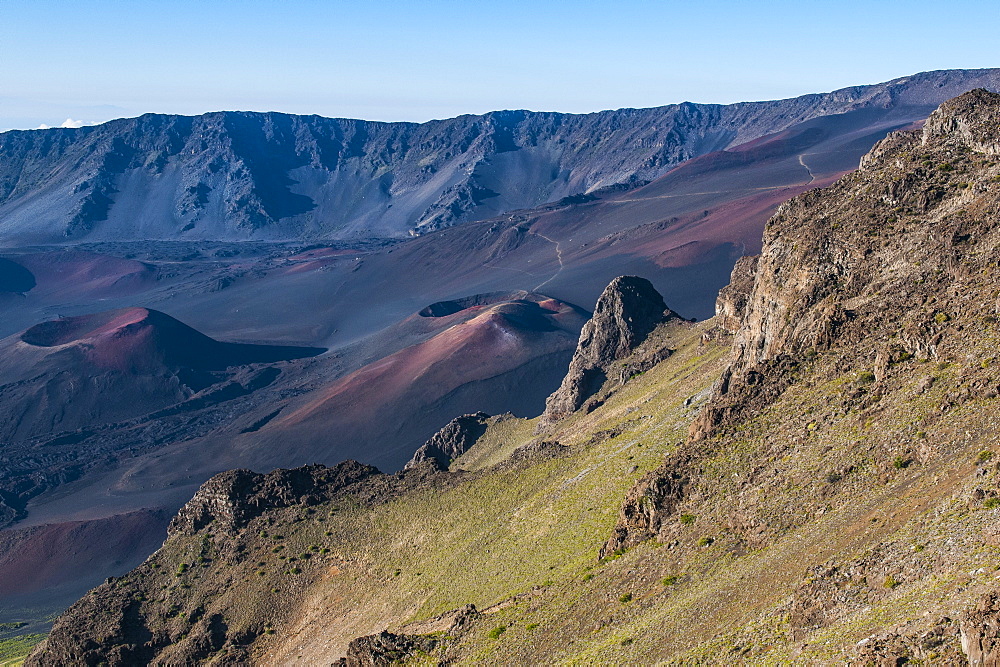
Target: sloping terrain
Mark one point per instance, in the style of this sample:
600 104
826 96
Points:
358 297
109 415
811 477
239 176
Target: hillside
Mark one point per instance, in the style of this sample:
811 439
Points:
810 476
69 477
231 176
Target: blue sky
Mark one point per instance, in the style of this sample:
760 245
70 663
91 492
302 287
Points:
93 60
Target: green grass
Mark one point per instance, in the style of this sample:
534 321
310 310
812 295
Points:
13 651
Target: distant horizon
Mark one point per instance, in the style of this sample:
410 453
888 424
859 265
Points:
71 123
73 62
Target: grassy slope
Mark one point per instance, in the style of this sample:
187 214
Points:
765 499
532 531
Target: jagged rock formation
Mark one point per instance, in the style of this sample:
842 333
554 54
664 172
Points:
237 176
980 631
385 648
627 311
111 625
731 306
896 235
903 234
231 499
893 265
451 441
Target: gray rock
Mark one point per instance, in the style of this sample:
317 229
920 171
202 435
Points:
626 313
452 441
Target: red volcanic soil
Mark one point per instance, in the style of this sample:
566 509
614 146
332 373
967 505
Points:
77 273
484 356
86 371
56 563
138 338
495 339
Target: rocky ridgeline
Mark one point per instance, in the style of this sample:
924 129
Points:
235 175
882 260
893 264
452 441
626 313
231 499
903 236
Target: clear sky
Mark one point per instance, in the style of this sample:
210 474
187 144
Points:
92 60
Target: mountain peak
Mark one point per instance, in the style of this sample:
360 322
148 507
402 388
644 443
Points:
626 313
969 118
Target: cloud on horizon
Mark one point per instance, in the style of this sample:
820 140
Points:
69 122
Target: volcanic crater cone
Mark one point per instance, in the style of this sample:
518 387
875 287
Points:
141 338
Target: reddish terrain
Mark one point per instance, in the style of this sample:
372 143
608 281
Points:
109 408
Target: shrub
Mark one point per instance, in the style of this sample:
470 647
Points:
941 318
991 503
588 576
496 632
891 582
866 377
984 456
626 598
687 519
705 541
531 626
899 463
671 580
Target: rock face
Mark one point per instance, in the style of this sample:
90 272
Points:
891 236
451 441
231 499
626 313
980 632
731 306
238 176
880 266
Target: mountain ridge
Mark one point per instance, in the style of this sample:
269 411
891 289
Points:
267 175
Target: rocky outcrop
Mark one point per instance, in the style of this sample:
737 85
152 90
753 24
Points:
626 313
451 441
881 266
231 499
897 236
980 632
385 648
654 497
963 119
731 305
422 638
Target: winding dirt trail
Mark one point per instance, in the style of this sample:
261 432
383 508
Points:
558 258
812 176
